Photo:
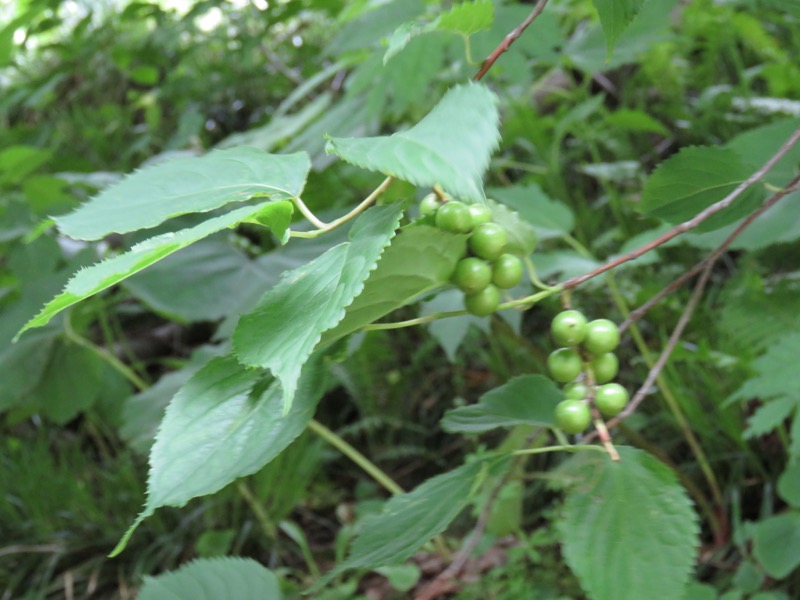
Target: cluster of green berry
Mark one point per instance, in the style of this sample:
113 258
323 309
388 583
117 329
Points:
586 353
488 268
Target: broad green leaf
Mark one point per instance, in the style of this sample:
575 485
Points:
464 19
226 422
524 400
189 185
757 145
103 275
636 517
204 282
450 146
692 180
70 384
789 485
214 579
776 372
550 219
615 16
522 238
776 543
410 520
652 25
636 121
419 259
281 332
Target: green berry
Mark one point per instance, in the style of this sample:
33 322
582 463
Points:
604 367
488 241
610 399
568 328
573 416
565 364
480 213
472 275
602 336
484 302
577 390
507 271
454 217
429 205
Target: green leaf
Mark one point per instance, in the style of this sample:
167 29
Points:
225 422
615 16
94 279
281 332
789 485
195 284
635 516
776 372
550 219
410 520
214 579
170 189
524 400
419 259
464 19
776 543
694 179
522 238
757 145
450 146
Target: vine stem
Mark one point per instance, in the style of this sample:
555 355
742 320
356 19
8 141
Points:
526 301
323 227
691 223
637 314
561 448
115 363
354 455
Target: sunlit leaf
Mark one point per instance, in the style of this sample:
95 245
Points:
451 146
281 332
188 185
103 275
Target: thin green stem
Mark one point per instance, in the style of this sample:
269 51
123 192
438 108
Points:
526 302
359 459
116 364
258 510
323 227
562 448
533 276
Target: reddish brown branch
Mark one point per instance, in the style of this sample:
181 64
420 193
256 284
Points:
691 223
714 256
705 267
508 40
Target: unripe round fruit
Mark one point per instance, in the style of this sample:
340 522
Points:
602 336
507 271
573 416
610 399
565 364
429 205
577 390
488 241
568 328
484 302
454 217
604 367
472 275
480 213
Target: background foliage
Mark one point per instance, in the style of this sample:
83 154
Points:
617 119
